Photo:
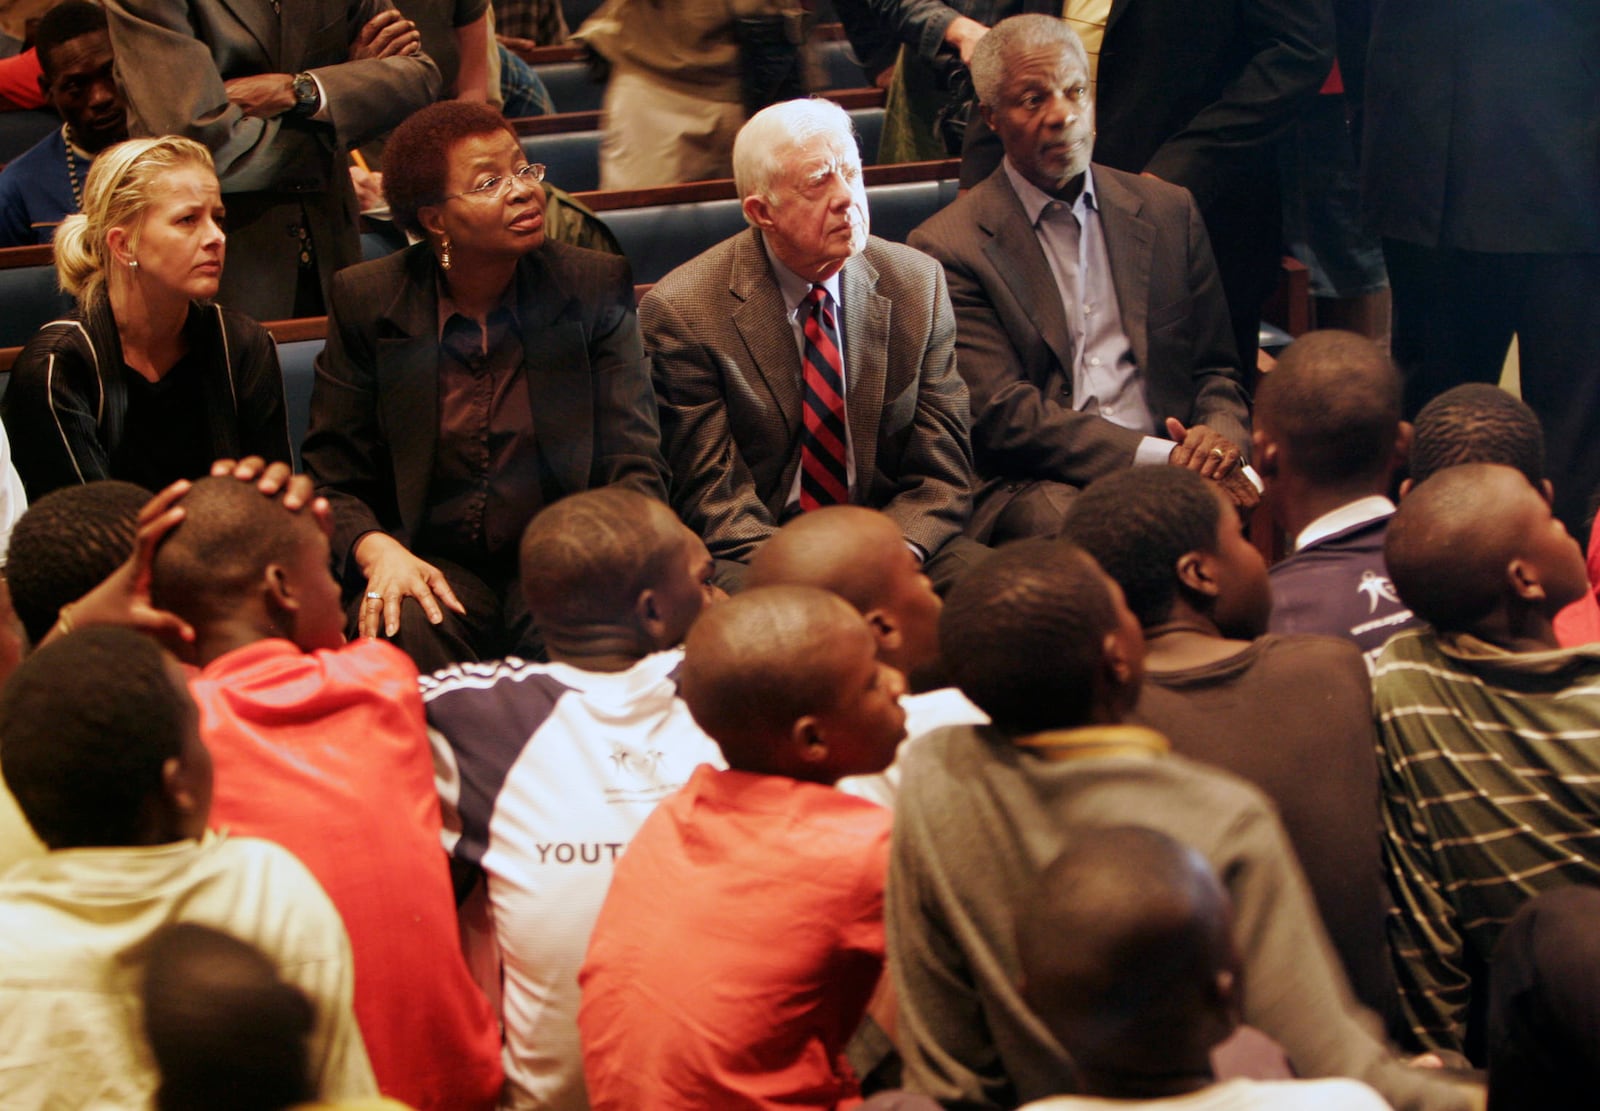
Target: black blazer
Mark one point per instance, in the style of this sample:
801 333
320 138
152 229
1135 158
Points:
1483 124
375 403
67 403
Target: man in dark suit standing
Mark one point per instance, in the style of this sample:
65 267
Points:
803 363
1091 321
277 90
1482 173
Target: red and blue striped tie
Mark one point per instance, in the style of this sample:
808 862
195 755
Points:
824 478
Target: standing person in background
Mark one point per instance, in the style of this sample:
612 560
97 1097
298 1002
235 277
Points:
1481 167
43 186
676 96
278 92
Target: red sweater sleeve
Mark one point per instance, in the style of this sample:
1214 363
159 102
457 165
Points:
19 82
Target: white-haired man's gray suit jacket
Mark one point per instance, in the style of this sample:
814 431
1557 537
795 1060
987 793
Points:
728 377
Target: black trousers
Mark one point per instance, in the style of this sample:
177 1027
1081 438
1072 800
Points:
495 625
1454 315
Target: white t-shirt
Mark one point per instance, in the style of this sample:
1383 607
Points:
925 712
74 927
1237 1095
545 772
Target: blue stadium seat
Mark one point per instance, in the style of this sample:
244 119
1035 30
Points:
657 238
297 360
21 130
31 300
572 158
570 86
869 131
839 66
380 238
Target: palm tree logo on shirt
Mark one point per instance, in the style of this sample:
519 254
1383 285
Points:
642 764
1377 588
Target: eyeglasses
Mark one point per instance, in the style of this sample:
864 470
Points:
531 174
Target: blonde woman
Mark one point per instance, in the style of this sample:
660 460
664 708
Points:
147 380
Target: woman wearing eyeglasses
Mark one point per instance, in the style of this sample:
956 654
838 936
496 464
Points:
467 382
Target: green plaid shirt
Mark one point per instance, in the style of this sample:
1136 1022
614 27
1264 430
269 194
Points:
1491 781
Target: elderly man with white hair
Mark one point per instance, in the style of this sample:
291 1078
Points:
804 363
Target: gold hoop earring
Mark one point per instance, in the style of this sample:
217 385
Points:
444 254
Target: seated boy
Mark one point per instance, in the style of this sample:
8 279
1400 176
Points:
860 555
743 935
66 544
547 770
1481 423
1041 640
1328 439
1490 735
99 742
1265 707
1150 984
322 747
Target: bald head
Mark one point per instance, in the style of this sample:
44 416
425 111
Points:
1475 539
1144 987
1333 407
846 549
860 555
758 664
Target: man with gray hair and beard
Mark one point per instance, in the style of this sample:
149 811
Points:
804 363
1133 362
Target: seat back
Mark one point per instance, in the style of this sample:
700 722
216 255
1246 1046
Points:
30 300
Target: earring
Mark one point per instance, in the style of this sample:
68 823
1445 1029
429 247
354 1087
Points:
444 254
133 264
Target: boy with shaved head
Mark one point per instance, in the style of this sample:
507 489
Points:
1042 641
1490 733
743 935
859 554
547 771
322 747
1328 439
1150 984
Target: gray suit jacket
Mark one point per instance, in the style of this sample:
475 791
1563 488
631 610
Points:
375 405
173 57
1015 350
728 376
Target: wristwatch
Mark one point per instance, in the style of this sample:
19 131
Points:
307 95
